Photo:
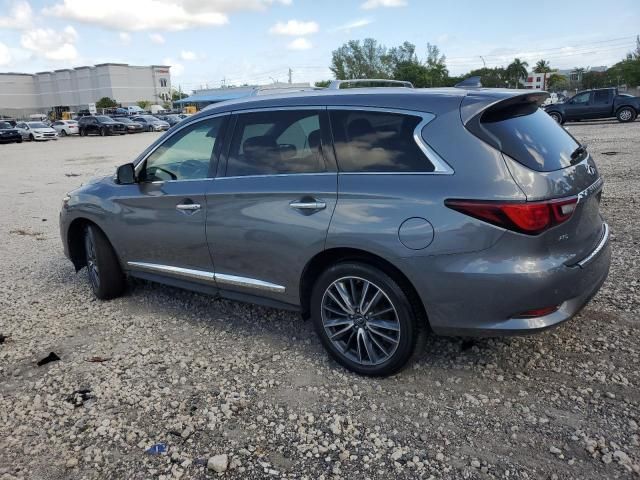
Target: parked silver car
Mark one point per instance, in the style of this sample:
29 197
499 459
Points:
376 212
36 131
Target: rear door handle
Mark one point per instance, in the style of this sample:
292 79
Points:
308 205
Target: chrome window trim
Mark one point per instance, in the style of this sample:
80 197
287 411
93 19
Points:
222 278
440 166
277 175
168 135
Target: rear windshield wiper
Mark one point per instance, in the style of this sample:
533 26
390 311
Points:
577 154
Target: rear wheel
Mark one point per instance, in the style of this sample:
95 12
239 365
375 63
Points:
557 117
82 132
150 129
19 140
63 133
103 269
364 319
31 137
626 114
103 132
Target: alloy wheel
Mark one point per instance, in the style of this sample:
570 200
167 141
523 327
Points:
360 320
92 263
625 115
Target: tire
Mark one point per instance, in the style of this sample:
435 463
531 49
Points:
626 114
150 129
103 269
63 133
102 132
385 345
557 117
19 140
82 132
31 137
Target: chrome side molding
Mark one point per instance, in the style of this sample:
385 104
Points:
221 278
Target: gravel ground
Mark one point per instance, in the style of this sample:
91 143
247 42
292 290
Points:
240 391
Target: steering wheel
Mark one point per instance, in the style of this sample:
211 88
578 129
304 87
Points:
152 171
192 169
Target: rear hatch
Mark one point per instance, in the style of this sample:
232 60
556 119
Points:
547 163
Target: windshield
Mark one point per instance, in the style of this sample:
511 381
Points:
5 125
104 119
124 120
37 125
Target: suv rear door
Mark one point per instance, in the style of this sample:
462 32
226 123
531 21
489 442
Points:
269 208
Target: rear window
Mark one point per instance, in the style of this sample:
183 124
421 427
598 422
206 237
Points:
530 136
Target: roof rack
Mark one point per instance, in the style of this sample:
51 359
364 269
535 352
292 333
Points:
471 82
384 82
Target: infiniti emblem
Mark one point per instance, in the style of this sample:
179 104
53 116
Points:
591 170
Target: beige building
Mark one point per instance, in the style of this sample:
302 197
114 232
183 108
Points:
22 94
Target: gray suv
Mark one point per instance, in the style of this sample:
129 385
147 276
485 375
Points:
375 212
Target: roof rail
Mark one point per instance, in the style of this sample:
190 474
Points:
337 84
471 82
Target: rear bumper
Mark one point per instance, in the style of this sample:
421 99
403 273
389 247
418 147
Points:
481 294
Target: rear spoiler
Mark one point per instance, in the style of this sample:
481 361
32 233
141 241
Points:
477 103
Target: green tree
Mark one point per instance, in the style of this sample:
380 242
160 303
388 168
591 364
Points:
143 104
557 82
436 67
106 102
323 83
360 60
491 77
177 95
542 66
516 71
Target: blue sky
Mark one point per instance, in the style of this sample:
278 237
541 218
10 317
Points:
256 41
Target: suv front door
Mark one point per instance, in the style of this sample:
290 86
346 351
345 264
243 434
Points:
162 216
269 208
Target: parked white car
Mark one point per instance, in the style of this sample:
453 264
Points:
36 131
66 127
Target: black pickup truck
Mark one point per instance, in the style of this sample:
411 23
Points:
599 103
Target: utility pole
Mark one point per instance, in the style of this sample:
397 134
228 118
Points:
290 72
483 62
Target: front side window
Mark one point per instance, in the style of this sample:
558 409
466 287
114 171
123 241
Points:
185 155
276 142
581 99
368 141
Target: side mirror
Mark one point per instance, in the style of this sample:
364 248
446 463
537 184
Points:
126 174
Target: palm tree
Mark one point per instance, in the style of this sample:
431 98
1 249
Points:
543 67
517 70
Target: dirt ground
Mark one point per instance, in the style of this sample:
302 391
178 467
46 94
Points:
250 392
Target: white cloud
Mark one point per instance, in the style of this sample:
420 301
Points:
156 38
125 38
5 55
294 28
300 44
371 4
51 44
363 22
139 15
188 55
177 69
20 16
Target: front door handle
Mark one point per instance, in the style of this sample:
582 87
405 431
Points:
308 205
188 207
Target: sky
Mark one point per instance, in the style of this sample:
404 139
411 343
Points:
213 42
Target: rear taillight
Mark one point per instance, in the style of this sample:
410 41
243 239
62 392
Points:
530 218
538 312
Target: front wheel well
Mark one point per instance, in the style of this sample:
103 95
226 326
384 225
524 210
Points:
333 256
75 241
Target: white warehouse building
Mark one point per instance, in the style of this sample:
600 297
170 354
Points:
23 94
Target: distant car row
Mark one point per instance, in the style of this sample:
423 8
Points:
102 125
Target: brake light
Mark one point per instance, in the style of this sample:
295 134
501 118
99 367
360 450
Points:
530 218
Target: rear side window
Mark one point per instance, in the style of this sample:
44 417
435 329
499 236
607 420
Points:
275 143
367 141
530 136
601 97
